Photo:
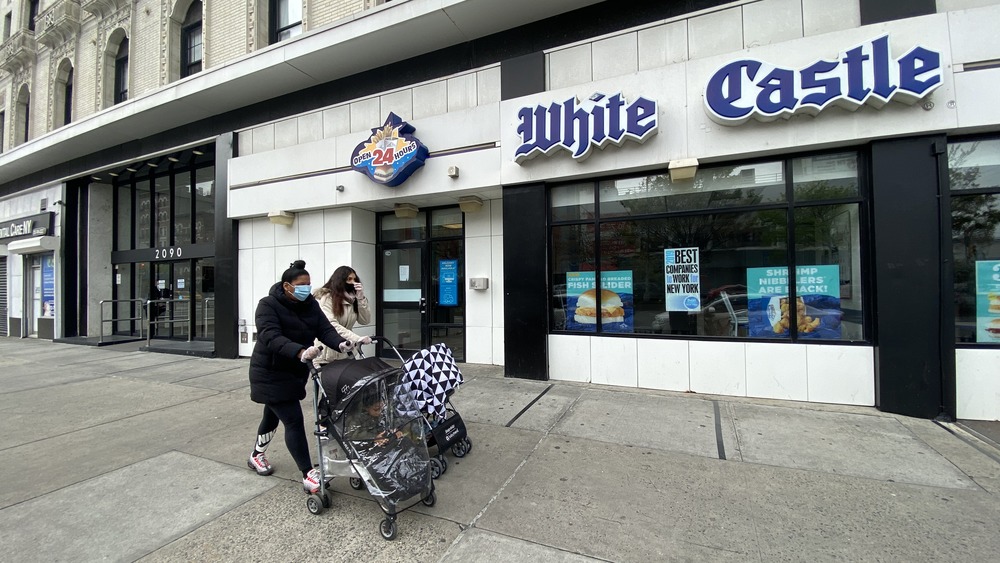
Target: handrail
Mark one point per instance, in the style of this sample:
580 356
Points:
204 313
170 321
116 319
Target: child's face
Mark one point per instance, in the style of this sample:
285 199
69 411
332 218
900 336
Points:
374 410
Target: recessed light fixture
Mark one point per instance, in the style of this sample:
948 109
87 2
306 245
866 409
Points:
130 169
114 174
173 159
152 164
197 152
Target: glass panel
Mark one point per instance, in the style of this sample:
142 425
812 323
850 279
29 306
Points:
974 164
828 261
123 309
204 205
162 207
402 328
572 266
708 259
635 196
975 228
140 289
828 176
182 207
182 290
204 282
446 222
144 216
395 229
124 218
453 337
401 275
289 12
446 262
573 202
162 290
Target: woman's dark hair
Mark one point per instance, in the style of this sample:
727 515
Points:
335 285
295 269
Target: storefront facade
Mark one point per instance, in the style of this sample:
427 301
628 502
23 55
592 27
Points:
682 189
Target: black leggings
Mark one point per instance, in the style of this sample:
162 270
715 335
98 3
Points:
290 414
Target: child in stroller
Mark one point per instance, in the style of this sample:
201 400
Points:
368 429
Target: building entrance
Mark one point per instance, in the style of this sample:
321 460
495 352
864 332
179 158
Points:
421 276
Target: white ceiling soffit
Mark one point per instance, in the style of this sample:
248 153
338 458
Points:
391 33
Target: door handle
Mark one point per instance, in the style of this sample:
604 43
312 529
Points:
423 305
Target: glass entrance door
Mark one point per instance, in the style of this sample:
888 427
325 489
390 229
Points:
421 276
35 287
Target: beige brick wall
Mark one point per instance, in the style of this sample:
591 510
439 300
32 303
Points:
232 28
225 30
323 13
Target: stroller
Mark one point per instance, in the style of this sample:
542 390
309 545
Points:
370 430
431 377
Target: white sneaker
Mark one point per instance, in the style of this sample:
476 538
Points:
259 463
310 483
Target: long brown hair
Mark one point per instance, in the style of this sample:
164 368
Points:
335 286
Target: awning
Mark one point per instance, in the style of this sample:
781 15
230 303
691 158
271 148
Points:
33 245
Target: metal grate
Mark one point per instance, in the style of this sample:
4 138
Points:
3 296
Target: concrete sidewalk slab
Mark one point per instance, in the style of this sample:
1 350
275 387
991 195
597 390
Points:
625 503
277 527
808 516
79 405
475 544
225 381
549 409
875 447
666 423
124 514
182 370
86 453
496 401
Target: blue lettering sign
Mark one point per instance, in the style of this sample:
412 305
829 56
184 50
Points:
865 74
578 127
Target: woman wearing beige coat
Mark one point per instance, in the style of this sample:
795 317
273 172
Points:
345 304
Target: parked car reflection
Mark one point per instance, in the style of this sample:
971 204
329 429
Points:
726 315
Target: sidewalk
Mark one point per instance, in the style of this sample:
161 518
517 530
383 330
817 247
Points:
123 455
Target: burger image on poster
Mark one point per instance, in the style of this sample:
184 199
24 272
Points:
993 329
612 308
994 300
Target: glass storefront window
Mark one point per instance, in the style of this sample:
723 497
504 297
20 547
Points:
396 229
672 259
828 176
447 222
573 202
162 207
143 214
204 205
974 164
123 220
182 208
975 227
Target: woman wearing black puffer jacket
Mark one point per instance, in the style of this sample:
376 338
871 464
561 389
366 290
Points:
288 320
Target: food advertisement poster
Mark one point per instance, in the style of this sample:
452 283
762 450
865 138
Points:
988 301
817 309
682 279
614 311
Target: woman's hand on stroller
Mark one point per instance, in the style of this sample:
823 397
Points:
346 346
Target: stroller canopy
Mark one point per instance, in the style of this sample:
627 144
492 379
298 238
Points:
429 377
339 377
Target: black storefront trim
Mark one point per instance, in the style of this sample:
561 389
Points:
878 11
525 267
227 283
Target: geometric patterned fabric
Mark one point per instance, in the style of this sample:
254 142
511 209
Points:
429 377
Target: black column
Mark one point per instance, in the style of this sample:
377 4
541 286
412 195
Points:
524 282
907 264
226 267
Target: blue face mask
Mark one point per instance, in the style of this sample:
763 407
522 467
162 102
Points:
302 291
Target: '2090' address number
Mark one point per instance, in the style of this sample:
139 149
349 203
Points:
165 253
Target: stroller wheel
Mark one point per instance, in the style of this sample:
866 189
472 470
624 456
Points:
459 449
444 463
387 529
430 499
436 468
468 445
314 504
357 484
